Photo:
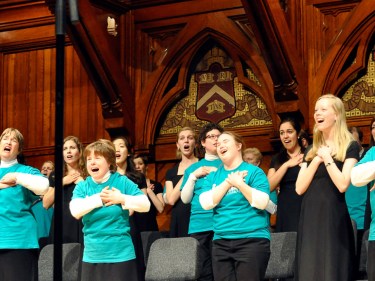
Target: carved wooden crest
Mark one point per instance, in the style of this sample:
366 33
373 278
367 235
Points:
215 93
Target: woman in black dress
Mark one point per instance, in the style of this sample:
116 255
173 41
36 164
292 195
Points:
125 166
74 172
154 192
186 145
325 240
283 173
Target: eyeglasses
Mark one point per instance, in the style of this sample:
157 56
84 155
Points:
212 137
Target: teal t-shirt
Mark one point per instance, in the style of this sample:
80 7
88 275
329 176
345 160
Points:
43 218
234 217
356 198
18 227
273 196
200 219
370 156
106 229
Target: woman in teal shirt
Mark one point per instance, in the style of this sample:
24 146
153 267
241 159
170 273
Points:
201 221
362 174
239 193
19 185
103 201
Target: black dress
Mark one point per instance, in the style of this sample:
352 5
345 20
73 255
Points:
135 233
71 227
180 216
325 243
288 201
147 221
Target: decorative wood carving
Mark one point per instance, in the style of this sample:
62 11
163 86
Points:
126 5
187 44
215 95
349 54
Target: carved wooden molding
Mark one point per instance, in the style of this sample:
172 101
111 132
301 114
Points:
27 23
26 26
126 5
336 10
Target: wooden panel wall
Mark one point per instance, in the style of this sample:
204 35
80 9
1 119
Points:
151 56
27 83
29 103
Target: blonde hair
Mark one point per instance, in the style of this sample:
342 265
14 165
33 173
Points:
18 136
104 148
178 152
49 162
254 151
341 137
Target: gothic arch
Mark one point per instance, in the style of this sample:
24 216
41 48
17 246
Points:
349 54
176 66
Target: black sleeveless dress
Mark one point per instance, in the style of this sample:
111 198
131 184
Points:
325 240
288 201
180 216
71 228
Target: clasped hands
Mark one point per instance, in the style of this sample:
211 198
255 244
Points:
111 196
323 152
236 179
8 180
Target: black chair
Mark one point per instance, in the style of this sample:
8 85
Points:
363 256
283 254
173 259
355 232
71 261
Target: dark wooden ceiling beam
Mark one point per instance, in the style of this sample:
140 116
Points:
95 49
272 49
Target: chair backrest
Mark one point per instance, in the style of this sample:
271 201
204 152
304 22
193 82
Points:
149 237
355 232
173 259
283 254
363 255
71 259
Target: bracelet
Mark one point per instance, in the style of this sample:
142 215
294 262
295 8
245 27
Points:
329 163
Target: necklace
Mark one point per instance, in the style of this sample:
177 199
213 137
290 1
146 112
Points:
295 154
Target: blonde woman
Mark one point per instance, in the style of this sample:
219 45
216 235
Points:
74 172
325 244
186 144
47 168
